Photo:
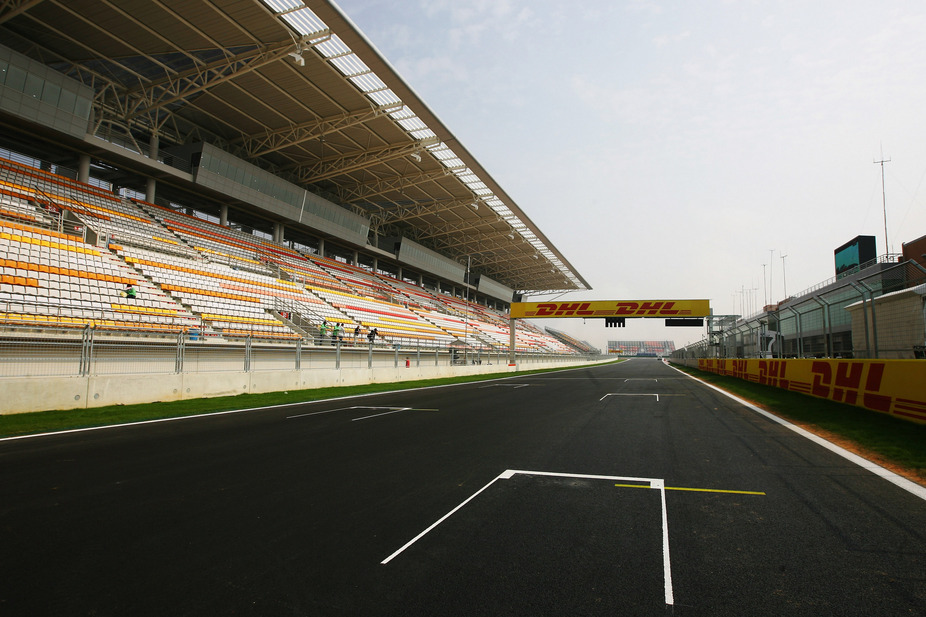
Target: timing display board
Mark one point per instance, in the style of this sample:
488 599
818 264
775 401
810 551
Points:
612 308
853 254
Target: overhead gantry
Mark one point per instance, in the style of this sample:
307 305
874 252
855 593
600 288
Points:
614 312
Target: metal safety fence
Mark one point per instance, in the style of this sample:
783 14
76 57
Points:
50 352
878 312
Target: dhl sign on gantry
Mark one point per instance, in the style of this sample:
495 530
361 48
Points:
612 308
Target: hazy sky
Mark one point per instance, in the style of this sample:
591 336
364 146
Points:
666 147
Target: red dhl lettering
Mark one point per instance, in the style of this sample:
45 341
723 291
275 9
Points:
846 385
772 373
853 382
650 308
584 310
562 309
567 309
646 308
741 369
545 309
713 365
668 310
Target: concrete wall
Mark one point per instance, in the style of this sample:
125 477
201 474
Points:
26 394
894 387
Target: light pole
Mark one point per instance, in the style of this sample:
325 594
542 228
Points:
764 286
784 279
887 248
771 296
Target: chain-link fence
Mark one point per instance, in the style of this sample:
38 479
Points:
878 312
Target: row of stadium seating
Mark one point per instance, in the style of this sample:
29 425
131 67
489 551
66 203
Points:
392 321
61 280
193 274
571 341
217 243
633 348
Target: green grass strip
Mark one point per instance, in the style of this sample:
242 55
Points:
13 425
886 439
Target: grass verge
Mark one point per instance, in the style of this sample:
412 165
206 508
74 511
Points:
13 425
893 443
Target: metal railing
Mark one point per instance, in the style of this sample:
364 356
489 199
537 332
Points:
61 352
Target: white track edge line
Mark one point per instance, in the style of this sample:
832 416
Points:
907 485
233 411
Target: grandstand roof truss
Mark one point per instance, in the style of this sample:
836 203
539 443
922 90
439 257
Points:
295 89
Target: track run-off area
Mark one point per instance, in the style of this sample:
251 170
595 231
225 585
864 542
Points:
620 489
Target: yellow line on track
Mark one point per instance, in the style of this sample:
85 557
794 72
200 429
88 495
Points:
698 490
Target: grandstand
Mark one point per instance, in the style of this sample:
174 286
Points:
193 273
571 341
254 175
641 348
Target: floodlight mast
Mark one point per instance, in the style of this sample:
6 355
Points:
784 278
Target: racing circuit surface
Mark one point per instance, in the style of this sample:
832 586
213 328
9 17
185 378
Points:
626 489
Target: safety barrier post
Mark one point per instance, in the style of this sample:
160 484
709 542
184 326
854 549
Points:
865 320
874 320
824 311
181 349
511 339
86 350
800 331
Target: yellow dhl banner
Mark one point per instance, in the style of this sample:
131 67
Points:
613 308
893 387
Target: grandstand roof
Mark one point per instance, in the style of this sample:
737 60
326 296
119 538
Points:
298 90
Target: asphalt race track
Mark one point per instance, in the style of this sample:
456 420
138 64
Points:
625 489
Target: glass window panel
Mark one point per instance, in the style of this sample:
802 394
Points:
16 78
51 93
82 107
66 101
34 85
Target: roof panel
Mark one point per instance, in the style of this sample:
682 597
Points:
318 103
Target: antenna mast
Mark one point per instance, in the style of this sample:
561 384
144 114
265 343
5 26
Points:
887 247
